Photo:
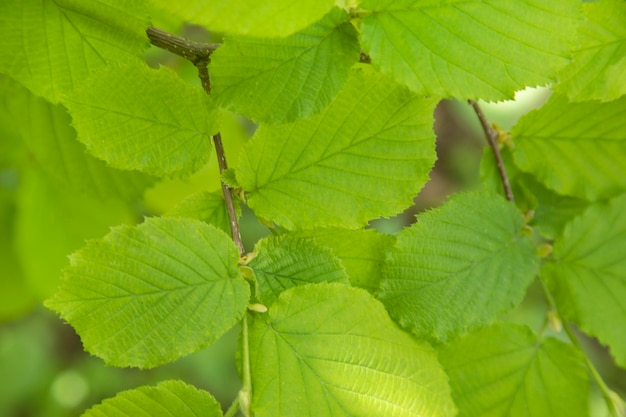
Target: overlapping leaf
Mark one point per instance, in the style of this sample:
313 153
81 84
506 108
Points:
469 49
588 274
598 70
173 398
147 295
362 252
208 206
269 18
146 120
459 266
366 155
49 46
52 142
286 261
576 149
331 350
278 80
506 371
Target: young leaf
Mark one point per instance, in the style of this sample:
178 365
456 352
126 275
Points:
269 18
279 80
598 70
46 129
362 252
286 261
459 266
469 49
365 156
575 149
506 371
207 206
331 350
172 398
135 117
49 45
587 276
147 295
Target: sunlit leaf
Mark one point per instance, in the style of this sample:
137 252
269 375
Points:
469 49
365 156
278 80
147 295
148 120
588 274
50 45
507 371
459 266
332 350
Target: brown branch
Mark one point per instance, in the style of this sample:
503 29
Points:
492 139
199 54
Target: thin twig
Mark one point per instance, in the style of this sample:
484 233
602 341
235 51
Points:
199 54
492 139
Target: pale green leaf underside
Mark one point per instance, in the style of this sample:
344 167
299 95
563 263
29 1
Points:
168 398
285 261
365 156
459 266
46 129
148 120
505 371
598 70
331 350
588 275
49 45
147 295
280 80
268 18
484 49
362 252
576 149
208 206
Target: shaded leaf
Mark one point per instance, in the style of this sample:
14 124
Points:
208 206
173 398
576 149
148 120
469 49
279 80
507 371
459 266
147 295
331 350
588 274
285 261
50 45
365 156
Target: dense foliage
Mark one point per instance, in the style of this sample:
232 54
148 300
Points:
336 318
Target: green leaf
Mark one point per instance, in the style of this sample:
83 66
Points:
588 274
49 45
362 252
331 350
279 80
598 70
135 117
172 398
52 143
327 170
471 254
285 261
207 206
507 371
147 295
576 149
469 49
269 18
